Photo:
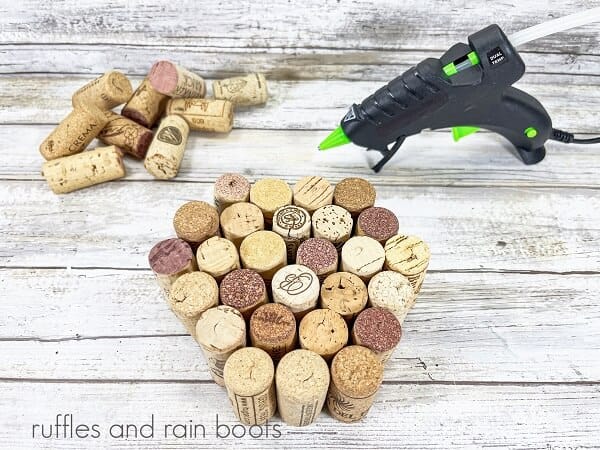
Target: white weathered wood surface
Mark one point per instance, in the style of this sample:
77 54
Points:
503 346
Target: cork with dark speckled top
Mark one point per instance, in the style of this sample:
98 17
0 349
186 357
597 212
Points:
319 255
354 195
273 328
377 329
244 290
378 223
195 222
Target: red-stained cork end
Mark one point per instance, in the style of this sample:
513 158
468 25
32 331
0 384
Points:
242 288
143 143
317 254
163 77
170 256
378 223
378 329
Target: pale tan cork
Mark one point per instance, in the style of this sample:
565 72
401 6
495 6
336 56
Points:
356 374
324 332
231 188
220 331
217 256
169 259
250 381
263 252
105 92
362 256
333 223
175 81
74 133
165 153
292 223
192 294
392 290
312 193
354 195
240 220
146 105
344 293
195 222
270 194
126 134
203 114
273 328
302 381
408 255
296 287
84 169
248 90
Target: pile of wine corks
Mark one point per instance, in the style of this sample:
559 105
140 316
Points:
170 98
295 294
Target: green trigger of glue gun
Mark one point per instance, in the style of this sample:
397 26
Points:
469 87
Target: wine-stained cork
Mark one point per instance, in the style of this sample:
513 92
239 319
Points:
146 105
105 92
270 194
175 81
319 255
231 188
240 220
362 256
302 381
167 147
392 290
220 331
169 259
312 193
333 223
250 381
263 252
324 332
202 114
244 290
84 169
378 223
354 194
356 374
408 255
126 134
195 222
73 133
248 90
217 256
296 287
292 223
379 330
192 294
344 293
273 328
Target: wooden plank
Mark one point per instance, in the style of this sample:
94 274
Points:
465 326
408 416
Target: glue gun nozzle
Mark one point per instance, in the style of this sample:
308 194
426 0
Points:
336 138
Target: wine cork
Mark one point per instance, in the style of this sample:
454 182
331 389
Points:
292 223
249 378
240 220
354 195
167 147
248 90
73 133
105 92
195 222
273 328
231 188
312 193
146 105
126 134
264 252
319 255
333 223
270 194
244 290
202 114
192 294
296 287
378 223
378 330
392 290
344 293
302 381
217 256
362 256
356 374
169 259
408 255
324 332
84 169
220 331
175 81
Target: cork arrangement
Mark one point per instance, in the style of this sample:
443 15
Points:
295 295
171 99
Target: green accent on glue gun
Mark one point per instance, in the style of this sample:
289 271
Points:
335 139
460 132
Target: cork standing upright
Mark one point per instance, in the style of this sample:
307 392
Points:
273 328
240 220
312 193
296 287
319 255
195 222
379 330
408 255
354 195
244 290
270 194
169 259
217 256
362 256
392 290
292 223
263 252
378 223
231 188
324 332
344 293
333 223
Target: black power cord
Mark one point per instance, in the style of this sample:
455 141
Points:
568 138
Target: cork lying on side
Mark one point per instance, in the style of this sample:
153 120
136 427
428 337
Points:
247 90
166 150
146 105
215 116
105 92
175 81
126 134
